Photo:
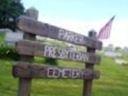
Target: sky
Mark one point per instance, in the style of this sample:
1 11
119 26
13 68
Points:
83 15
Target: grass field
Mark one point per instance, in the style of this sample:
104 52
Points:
2 35
113 81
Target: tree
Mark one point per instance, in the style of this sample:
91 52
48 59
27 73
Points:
118 48
9 11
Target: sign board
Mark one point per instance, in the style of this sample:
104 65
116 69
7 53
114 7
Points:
36 71
32 26
27 47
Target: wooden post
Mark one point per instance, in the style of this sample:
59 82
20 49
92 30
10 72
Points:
25 83
87 84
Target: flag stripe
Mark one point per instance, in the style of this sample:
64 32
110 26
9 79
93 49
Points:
104 32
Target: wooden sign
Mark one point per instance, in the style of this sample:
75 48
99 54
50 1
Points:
25 70
32 26
27 47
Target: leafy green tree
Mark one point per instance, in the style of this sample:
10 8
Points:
9 11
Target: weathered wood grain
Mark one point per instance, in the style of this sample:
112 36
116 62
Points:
25 70
43 29
33 48
87 84
25 83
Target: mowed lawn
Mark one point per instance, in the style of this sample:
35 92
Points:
113 81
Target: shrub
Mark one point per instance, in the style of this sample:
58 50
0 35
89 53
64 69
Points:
8 52
50 61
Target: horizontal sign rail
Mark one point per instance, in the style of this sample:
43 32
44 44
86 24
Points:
24 70
34 48
43 29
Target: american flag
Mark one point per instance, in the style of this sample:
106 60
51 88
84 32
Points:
104 32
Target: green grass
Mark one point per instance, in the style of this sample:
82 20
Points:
2 35
113 81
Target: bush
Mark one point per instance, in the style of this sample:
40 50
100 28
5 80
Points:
8 52
50 61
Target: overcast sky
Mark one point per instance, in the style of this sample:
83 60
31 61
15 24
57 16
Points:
83 15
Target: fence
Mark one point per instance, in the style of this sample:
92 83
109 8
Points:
29 47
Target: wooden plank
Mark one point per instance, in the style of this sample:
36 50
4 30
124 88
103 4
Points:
33 48
25 70
87 84
32 26
25 83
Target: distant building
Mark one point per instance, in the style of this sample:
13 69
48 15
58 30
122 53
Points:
12 37
112 54
3 30
125 49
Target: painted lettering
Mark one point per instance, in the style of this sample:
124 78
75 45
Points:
69 36
65 73
50 51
